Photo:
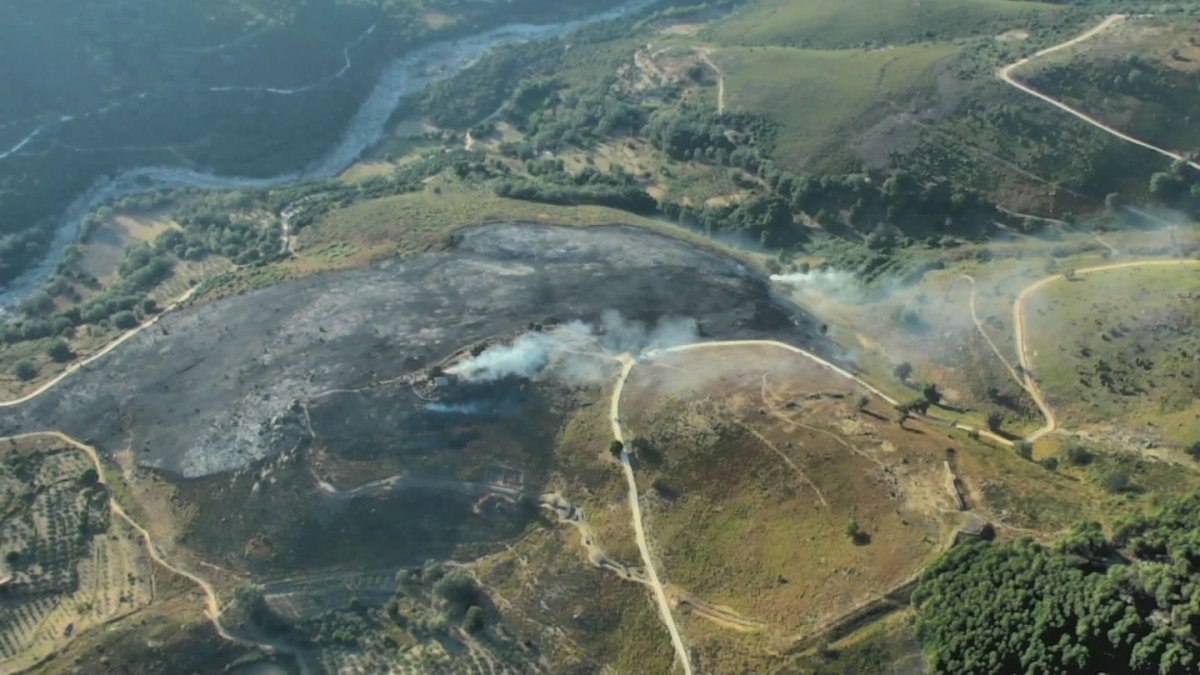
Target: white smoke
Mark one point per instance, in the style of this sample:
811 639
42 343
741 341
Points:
528 355
456 408
619 336
575 352
827 281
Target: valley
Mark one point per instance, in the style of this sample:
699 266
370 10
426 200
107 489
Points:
651 336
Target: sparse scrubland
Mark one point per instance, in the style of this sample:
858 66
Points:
954 428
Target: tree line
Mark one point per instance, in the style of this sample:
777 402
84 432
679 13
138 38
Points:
1129 602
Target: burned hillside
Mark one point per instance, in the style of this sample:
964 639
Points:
196 394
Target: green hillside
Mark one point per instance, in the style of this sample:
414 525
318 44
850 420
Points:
844 23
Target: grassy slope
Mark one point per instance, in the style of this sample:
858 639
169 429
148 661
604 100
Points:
1158 322
816 95
743 529
1095 77
375 229
829 23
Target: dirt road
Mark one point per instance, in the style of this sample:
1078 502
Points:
212 605
987 338
1022 332
781 345
100 354
1007 74
635 510
706 56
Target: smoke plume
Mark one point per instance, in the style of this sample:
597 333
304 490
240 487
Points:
836 283
575 352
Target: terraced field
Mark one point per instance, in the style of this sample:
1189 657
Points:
71 566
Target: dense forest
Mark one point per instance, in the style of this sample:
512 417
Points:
1092 604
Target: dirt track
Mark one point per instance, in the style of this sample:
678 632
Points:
635 513
212 605
1007 74
706 56
1021 332
628 363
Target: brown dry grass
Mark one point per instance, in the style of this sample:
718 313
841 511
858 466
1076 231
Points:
766 537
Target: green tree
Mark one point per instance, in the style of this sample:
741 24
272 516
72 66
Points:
473 622
616 448
89 478
1116 480
25 370
902 371
856 533
931 393
59 350
458 590
1077 609
994 421
124 320
40 303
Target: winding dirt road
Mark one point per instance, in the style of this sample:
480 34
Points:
780 345
212 605
1022 332
635 510
1007 73
987 338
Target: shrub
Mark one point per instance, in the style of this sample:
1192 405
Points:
856 533
1024 449
616 448
458 590
663 488
1116 480
646 451
473 622
1078 455
59 350
124 320
994 420
24 370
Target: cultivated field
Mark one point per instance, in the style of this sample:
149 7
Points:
70 566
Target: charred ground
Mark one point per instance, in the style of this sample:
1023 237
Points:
196 394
